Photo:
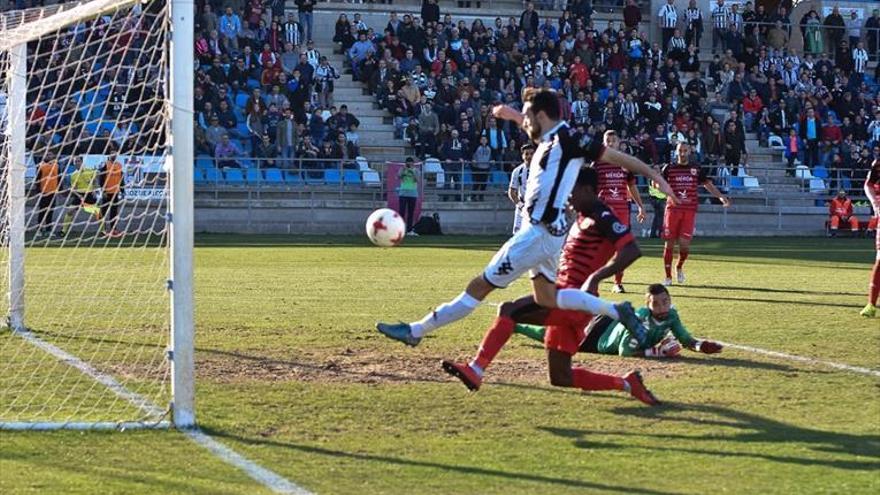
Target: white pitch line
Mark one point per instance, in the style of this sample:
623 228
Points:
264 476
792 357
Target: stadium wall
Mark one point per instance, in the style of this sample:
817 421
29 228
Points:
329 216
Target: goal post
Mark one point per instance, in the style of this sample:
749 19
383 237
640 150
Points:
96 215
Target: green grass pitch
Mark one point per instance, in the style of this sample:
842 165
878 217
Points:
292 374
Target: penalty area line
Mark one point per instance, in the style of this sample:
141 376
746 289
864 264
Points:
258 473
802 359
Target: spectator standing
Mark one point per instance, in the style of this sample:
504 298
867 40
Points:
481 163
667 17
408 194
694 24
286 137
860 63
835 28
429 128
305 10
872 27
632 15
810 134
720 24
266 153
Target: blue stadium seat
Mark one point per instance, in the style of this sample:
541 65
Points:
92 127
293 177
242 130
213 175
466 178
820 172
233 176
499 178
331 176
314 176
247 163
254 176
351 177
273 176
253 83
736 182
241 100
204 161
198 175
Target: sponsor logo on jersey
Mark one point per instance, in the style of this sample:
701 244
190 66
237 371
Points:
618 228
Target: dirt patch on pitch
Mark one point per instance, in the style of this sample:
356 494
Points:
372 367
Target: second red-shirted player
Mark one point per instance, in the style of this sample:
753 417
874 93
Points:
685 179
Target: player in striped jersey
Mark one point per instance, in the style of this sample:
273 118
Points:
517 189
598 245
872 190
558 158
616 187
678 224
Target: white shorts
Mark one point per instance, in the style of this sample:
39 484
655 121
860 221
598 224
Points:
517 220
531 249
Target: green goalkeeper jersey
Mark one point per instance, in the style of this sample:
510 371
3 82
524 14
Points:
83 180
618 340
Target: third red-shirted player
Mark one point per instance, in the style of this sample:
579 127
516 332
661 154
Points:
872 190
685 178
616 187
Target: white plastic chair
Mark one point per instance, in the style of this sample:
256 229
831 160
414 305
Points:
434 167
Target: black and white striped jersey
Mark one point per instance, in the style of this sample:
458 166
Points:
553 171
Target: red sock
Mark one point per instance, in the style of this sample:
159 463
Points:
494 340
874 287
682 256
667 261
588 380
618 278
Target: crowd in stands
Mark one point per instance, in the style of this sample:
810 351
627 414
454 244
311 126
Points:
263 91
440 77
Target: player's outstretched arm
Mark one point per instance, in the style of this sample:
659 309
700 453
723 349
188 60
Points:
725 201
705 346
637 166
505 112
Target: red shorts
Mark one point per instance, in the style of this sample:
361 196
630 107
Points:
679 224
622 214
565 330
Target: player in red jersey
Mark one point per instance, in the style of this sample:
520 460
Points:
598 245
616 187
872 190
685 179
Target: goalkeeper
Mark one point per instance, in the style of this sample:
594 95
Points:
607 336
81 195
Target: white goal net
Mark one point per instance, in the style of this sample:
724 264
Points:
85 120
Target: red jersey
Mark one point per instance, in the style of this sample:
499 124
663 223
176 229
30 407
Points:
591 242
873 181
685 180
612 185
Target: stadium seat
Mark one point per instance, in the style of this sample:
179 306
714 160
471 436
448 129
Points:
499 178
204 161
254 176
242 130
736 182
241 100
467 179
332 176
432 166
371 178
820 172
253 84
274 176
293 177
775 142
213 175
198 175
362 163
247 163
233 176
351 177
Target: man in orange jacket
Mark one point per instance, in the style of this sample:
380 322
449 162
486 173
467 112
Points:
47 184
841 210
111 178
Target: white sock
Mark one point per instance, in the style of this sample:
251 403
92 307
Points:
477 369
579 300
445 314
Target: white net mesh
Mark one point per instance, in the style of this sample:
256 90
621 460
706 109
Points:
96 261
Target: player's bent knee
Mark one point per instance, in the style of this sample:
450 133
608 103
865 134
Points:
507 309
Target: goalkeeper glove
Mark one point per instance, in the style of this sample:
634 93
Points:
708 347
668 347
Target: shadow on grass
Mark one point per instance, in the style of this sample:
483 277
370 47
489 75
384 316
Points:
385 460
679 295
749 429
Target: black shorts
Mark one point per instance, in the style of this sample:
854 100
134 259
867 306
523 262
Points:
594 332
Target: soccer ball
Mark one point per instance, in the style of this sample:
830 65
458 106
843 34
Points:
385 227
